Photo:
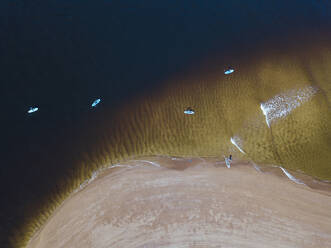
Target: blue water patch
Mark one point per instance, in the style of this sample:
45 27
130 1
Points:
32 110
96 102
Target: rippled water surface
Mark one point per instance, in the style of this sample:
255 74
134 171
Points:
274 111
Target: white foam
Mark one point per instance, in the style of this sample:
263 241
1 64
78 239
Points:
118 165
265 114
281 105
176 159
88 181
149 162
292 178
256 167
97 172
236 142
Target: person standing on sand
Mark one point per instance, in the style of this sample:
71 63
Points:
228 161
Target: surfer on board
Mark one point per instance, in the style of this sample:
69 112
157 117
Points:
189 111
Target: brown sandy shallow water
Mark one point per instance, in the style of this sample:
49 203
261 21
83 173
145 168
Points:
192 202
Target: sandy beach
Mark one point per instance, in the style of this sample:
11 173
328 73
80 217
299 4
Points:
189 203
174 202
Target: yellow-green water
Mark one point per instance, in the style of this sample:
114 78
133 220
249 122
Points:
227 106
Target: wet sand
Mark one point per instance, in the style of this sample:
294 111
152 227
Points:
175 202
